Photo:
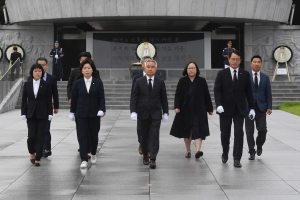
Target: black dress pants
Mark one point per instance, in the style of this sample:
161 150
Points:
88 129
225 127
47 138
150 131
36 133
261 126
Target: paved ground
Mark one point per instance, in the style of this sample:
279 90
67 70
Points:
120 174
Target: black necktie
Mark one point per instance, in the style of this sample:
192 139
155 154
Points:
256 80
150 85
234 77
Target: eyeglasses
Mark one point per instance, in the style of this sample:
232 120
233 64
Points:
191 68
235 59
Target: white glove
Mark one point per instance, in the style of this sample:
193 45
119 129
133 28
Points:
72 116
133 116
165 117
220 109
23 117
252 114
56 56
100 113
50 117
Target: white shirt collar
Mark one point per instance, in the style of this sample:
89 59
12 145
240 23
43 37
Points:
231 69
144 73
36 82
90 79
253 72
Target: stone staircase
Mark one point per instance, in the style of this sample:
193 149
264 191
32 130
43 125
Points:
117 93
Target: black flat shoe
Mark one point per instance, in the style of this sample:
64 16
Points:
237 164
224 158
252 157
152 164
259 151
146 160
32 161
198 154
37 164
188 155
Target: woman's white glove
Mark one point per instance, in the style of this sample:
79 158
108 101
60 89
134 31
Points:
23 117
220 109
164 117
252 114
100 113
133 116
50 117
72 116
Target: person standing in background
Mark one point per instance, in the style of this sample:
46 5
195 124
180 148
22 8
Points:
56 54
226 53
13 57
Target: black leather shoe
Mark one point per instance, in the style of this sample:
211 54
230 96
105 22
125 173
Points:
224 157
146 160
188 155
47 153
37 164
259 151
32 161
198 154
237 163
152 164
252 157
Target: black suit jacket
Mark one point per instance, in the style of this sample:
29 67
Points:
73 77
53 84
14 56
227 95
42 104
146 104
86 104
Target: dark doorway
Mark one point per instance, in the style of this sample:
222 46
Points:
71 48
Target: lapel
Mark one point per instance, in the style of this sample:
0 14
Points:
228 74
42 85
145 83
155 85
30 89
84 86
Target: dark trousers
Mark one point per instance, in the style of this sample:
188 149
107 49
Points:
36 133
12 75
47 138
88 129
138 130
261 126
150 131
57 70
225 127
88 144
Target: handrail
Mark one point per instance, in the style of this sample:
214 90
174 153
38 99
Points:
8 76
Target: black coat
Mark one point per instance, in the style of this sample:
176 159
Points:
146 104
202 105
86 104
228 96
53 84
42 104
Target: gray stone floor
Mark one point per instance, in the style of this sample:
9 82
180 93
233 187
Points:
120 174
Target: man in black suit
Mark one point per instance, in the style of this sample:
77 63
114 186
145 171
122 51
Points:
149 104
232 88
13 57
55 103
140 75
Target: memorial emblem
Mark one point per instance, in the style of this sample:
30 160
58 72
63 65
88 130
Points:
1 53
282 54
9 50
145 49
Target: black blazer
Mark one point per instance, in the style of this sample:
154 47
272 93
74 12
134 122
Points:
42 104
53 84
146 105
86 104
227 95
73 77
14 56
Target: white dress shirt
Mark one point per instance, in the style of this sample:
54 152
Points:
88 83
258 76
36 85
232 72
152 80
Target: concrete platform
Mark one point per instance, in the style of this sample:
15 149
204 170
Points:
120 174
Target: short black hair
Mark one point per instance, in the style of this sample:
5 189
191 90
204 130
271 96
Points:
92 64
15 48
235 52
256 56
36 66
85 54
42 59
184 73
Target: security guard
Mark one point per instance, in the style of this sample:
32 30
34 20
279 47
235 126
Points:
13 57
57 53
226 52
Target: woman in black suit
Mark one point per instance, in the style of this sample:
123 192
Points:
192 103
37 109
87 105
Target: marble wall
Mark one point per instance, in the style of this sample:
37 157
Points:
262 40
37 41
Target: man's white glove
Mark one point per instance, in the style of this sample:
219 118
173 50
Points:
164 117
56 56
133 116
72 116
252 114
100 113
220 109
50 117
23 117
